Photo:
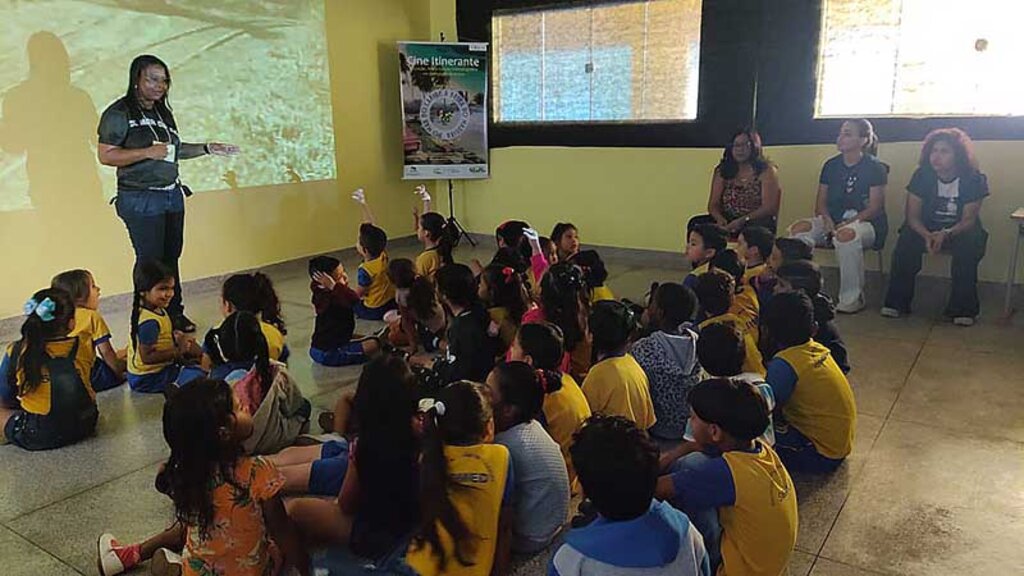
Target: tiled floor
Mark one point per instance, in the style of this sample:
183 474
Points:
935 484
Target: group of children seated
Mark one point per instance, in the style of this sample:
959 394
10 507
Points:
490 397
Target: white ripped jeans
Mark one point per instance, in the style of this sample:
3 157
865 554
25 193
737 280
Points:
850 254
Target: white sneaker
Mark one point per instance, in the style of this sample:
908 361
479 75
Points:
852 308
890 312
964 321
107 561
165 563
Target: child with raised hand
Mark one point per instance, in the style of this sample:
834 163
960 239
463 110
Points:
109 371
616 384
229 514
565 407
466 485
595 275
374 288
502 292
716 292
633 534
735 488
541 492
334 342
156 352
754 246
46 399
421 319
668 357
702 243
542 256
240 356
471 350
565 236
805 276
745 305
437 236
818 412
565 304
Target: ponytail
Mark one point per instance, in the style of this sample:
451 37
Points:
423 299
269 304
550 380
444 233
459 416
47 316
240 339
867 131
133 324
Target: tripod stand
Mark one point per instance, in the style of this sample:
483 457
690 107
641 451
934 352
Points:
453 221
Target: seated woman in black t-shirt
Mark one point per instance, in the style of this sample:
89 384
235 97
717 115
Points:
945 198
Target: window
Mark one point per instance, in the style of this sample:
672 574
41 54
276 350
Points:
920 58
625 62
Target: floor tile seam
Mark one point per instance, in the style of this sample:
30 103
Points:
975 433
41 548
861 568
7 522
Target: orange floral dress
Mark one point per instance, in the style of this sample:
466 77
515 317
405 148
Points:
237 543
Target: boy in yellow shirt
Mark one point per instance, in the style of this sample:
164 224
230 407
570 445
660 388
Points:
818 413
702 243
754 246
734 488
616 385
373 285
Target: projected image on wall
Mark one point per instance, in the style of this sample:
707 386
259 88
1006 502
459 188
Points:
249 72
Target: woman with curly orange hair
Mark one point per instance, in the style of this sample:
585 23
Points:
945 198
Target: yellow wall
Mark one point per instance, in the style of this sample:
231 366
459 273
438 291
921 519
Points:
228 231
642 197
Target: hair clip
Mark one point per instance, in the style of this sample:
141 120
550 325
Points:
543 380
508 272
44 309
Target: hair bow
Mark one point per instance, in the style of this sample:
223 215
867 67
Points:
44 309
426 404
508 272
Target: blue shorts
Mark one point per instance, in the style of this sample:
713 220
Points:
347 355
798 453
327 474
364 312
190 373
103 377
156 382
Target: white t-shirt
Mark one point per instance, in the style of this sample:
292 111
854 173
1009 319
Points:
946 205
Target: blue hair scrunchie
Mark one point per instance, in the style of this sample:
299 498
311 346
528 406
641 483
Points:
44 309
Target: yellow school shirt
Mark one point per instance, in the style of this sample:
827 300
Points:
618 387
379 290
753 272
428 263
822 407
38 400
748 309
165 341
92 324
481 472
753 362
564 413
759 529
502 326
275 340
601 293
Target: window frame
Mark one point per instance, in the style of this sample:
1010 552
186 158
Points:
725 88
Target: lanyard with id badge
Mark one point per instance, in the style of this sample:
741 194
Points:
171 148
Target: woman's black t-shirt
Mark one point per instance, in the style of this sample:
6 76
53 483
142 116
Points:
849 189
135 128
944 208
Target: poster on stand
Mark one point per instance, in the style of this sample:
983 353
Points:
444 110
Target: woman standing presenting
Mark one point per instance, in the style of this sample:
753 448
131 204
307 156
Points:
138 136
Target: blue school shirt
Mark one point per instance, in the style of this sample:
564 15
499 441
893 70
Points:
660 542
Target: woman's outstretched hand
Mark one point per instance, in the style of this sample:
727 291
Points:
219 149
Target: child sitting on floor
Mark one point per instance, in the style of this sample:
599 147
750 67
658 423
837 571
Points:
420 320
565 304
785 250
541 483
616 385
565 236
804 276
819 415
374 288
735 488
334 342
633 534
156 352
702 243
227 507
110 370
502 292
470 350
436 234
466 486
46 400
254 293
754 246
745 305
716 291
669 357
595 275
565 407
